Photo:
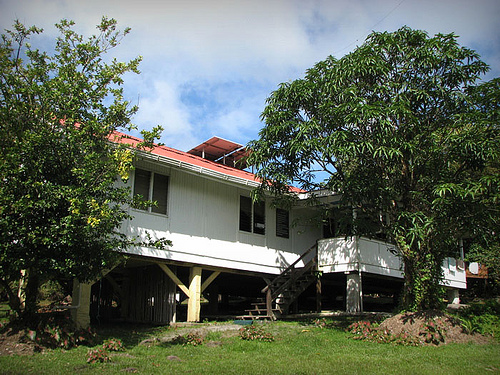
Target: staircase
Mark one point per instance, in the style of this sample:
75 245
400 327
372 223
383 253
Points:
285 289
259 311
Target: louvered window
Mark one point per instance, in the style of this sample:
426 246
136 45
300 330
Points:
282 223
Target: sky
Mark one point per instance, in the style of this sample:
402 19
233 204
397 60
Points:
208 66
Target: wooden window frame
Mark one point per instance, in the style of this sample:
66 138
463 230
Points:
252 217
157 191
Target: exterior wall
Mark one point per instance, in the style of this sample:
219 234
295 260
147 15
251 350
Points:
454 275
376 257
203 224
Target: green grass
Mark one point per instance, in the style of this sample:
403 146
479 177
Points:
4 312
297 349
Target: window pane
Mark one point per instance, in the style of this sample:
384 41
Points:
282 223
141 184
160 191
259 218
245 214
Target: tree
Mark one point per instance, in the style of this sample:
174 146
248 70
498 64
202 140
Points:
401 129
61 205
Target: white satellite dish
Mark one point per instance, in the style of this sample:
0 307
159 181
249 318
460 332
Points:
474 268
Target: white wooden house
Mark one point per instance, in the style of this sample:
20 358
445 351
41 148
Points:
226 251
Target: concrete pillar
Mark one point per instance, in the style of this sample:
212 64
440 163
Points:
453 296
194 301
354 293
80 312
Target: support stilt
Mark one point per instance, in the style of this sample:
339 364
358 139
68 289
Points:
80 312
353 293
194 305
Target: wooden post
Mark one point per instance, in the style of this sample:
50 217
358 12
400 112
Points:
318 295
125 298
80 312
175 279
209 280
194 305
269 303
318 280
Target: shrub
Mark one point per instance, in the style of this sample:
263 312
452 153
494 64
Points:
364 330
483 318
322 323
361 329
59 332
113 345
99 355
254 333
191 339
433 331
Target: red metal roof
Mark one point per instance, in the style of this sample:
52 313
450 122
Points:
190 159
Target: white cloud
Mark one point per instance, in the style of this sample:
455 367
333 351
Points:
209 65
161 105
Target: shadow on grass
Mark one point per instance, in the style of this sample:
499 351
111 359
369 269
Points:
131 334
341 322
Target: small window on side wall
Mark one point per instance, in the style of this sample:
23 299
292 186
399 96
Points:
252 216
154 187
245 214
282 223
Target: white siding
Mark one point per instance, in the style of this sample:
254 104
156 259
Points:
203 224
376 257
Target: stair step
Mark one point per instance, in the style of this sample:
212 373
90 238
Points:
254 317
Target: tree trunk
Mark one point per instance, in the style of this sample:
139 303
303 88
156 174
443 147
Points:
422 276
31 292
14 301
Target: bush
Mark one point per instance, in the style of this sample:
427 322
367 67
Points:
364 330
59 332
99 355
191 339
113 345
322 323
483 318
254 333
433 331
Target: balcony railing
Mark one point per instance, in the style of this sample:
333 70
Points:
342 254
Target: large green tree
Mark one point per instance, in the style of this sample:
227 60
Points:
61 205
402 129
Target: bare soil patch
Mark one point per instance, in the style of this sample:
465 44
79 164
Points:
414 324
12 341
200 330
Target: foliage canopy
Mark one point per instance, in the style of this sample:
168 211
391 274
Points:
60 202
401 129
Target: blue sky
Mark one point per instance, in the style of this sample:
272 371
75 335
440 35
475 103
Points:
208 66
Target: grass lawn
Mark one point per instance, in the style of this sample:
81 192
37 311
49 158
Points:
297 349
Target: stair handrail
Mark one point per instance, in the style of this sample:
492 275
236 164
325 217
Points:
291 267
271 295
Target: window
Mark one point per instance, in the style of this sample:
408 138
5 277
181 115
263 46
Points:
252 216
282 223
152 186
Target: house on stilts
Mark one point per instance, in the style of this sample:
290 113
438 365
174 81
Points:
232 257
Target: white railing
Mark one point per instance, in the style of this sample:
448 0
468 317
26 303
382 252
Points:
377 257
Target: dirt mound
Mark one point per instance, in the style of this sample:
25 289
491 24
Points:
419 324
14 342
